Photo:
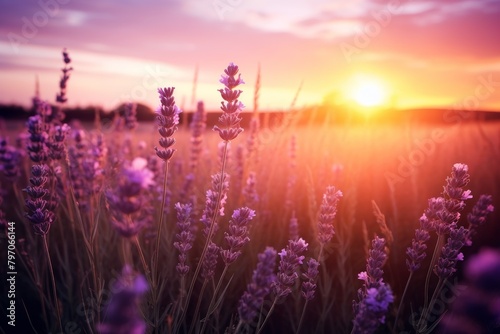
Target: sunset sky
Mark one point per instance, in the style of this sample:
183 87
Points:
429 53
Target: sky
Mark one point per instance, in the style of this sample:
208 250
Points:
420 53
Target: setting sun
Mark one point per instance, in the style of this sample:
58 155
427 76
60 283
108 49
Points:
367 91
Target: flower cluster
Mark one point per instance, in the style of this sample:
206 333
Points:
290 259
450 253
198 125
372 309
327 213
210 261
250 190
309 285
40 208
122 314
238 234
61 96
168 119
126 199
441 215
230 119
262 279
476 307
56 141
376 260
38 136
416 252
215 200
477 217
184 236
10 160
130 116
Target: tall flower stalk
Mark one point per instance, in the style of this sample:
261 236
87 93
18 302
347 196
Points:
263 277
376 295
228 129
237 237
290 260
167 119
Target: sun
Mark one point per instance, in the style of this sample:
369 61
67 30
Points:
368 92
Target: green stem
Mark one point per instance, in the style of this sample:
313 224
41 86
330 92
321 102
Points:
214 298
302 317
422 324
267 315
54 293
435 255
400 307
209 236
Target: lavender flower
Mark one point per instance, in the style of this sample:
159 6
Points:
416 252
210 261
126 200
476 308
450 253
477 217
262 279
230 119
130 116
215 201
250 195
238 234
376 260
10 159
293 227
252 139
40 213
328 211
198 125
56 141
290 260
459 179
447 209
77 166
184 236
168 119
38 136
372 309
61 96
309 285
122 314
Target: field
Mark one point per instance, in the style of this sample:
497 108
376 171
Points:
118 255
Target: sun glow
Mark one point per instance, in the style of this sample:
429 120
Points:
368 92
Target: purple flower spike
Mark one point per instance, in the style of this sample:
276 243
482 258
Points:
479 214
450 253
376 260
309 285
262 279
211 204
122 314
230 119
238 234
184 237
328 211
416 253
290 259
372 310
40 212
167 118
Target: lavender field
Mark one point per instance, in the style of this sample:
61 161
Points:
279 227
